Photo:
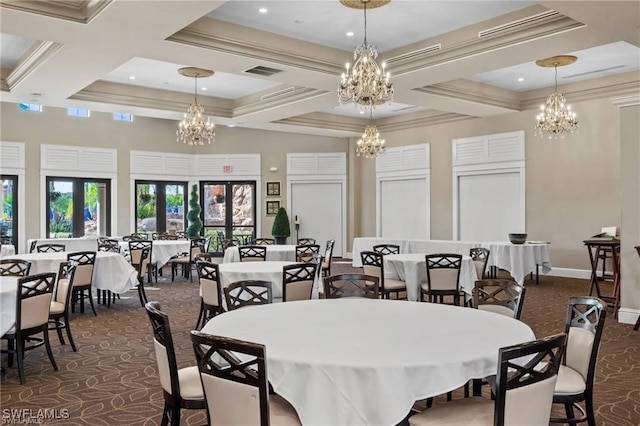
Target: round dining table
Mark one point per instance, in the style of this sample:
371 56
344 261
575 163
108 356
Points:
264 271
366 361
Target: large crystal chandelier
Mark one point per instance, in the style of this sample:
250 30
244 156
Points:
193 130
365 83
556 117
370 144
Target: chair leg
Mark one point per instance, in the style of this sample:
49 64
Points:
200 315
11 347
20 358
66 325
91 301
165 415
141 292
588 402
47 345
59 330
568 408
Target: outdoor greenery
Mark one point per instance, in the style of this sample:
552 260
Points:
195 223
61 212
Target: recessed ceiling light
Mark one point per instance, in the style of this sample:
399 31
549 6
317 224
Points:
520 79
204 89
231 125
361 112
349 33
132 77
263 10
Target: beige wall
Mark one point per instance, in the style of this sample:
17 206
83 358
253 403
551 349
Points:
630 191
572 185
54 126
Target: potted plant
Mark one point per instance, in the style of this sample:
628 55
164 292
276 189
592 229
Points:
281 229
195 224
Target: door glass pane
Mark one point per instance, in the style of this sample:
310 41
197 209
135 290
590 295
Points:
214 205
174 196
243 205
60 209
8 208
215 235
95 209
90 212
146 220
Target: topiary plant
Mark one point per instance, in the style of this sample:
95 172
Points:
195 224
281 229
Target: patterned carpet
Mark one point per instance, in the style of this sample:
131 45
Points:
112 379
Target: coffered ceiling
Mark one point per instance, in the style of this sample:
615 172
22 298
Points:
449 60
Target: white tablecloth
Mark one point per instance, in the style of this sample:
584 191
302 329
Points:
265 271
8 294
279 252
71 244
163 250
7 250
412 269
518 259
365 362
111 270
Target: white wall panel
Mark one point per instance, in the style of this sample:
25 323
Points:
71 160
405 208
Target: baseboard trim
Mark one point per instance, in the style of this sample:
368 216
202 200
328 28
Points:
628 316
570 273
347 256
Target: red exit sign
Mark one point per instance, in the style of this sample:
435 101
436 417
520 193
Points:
226 169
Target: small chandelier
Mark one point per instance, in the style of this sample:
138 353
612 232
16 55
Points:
556 117
365 83
370 144
193 130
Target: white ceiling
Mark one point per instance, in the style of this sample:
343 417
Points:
88 60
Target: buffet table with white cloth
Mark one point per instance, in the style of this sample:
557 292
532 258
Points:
8 294
275 252
7 250
412 268
264 271
366 361
163 250
110 272
518 259
70 244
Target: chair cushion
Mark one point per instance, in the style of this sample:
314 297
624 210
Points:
56 308
390 284
281 412
190 384
182 259
468 411
570 382
498 309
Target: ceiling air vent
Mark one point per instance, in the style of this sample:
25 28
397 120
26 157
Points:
265 71
510 26
414 54
277 93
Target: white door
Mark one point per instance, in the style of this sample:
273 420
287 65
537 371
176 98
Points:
404 209
319 208
489 206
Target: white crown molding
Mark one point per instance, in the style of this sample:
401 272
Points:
36 56
627 101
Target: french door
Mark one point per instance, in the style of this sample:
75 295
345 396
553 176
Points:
228 211
9 218
160 206
78 207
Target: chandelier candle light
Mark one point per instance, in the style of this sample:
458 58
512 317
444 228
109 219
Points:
556 117
193 130
365 83
370 144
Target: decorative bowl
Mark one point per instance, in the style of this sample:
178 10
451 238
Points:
517 238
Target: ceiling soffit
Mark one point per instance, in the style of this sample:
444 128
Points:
76 11
37 55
